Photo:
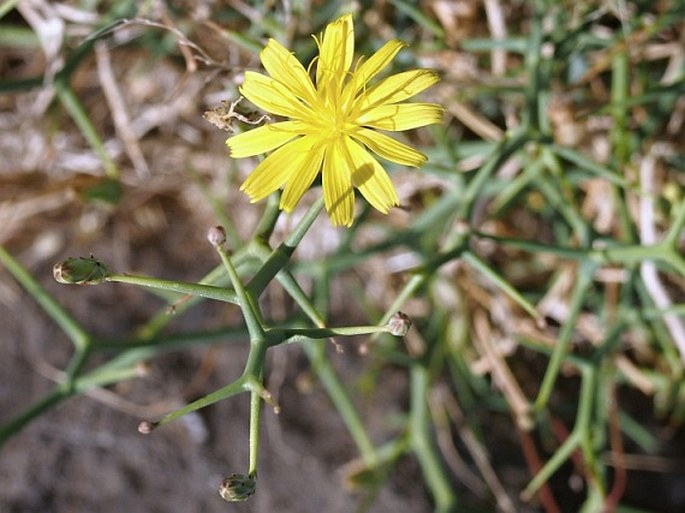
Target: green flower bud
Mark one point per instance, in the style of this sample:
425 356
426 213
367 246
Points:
79 271
237 487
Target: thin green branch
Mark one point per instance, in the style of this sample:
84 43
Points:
338 395
236 387
280 256
422 442
182 287
280 335
66 322
500 282
247 302
80 117
583 282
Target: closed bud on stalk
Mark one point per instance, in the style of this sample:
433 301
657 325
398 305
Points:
80 271
216 236
399 324
146 427
237 487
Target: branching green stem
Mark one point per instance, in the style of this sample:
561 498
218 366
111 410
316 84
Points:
581 436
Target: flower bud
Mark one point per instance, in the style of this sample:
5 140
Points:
399 324
146 427
80 271
216 236
237 487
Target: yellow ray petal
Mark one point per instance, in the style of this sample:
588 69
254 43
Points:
373 65
397 88
276 169
270 96
263 139
302 179
335 52
338 194
403 116
370 177
389 148
282 65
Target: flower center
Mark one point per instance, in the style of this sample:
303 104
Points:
333 123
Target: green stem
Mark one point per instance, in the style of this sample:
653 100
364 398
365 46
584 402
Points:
590 165
673 235
257 393
253 373
514 294
583 283
255 363
324 370
619 135
528 176
237 387
564 204
408 291
560 456
505 148
532 115
255 413
7 6
115 370
151 328
588 395
194 289
78 336
280 256
278 336
45 403
78 360
80 117
580 436
421 441
340 399
247 303
267 222
620 82
626 255
673 258
63 391
290 285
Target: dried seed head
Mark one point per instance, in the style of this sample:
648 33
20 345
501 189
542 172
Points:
80 271
237 488
399 324
216 236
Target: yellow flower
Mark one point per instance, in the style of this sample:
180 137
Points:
330 126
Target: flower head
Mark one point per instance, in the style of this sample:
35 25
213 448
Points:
331 122
237 487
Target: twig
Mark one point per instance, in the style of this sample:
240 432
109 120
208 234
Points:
501 373
498 29
648 270
117 107
620 474
442 396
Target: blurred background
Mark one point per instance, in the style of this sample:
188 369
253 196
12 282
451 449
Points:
110 146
